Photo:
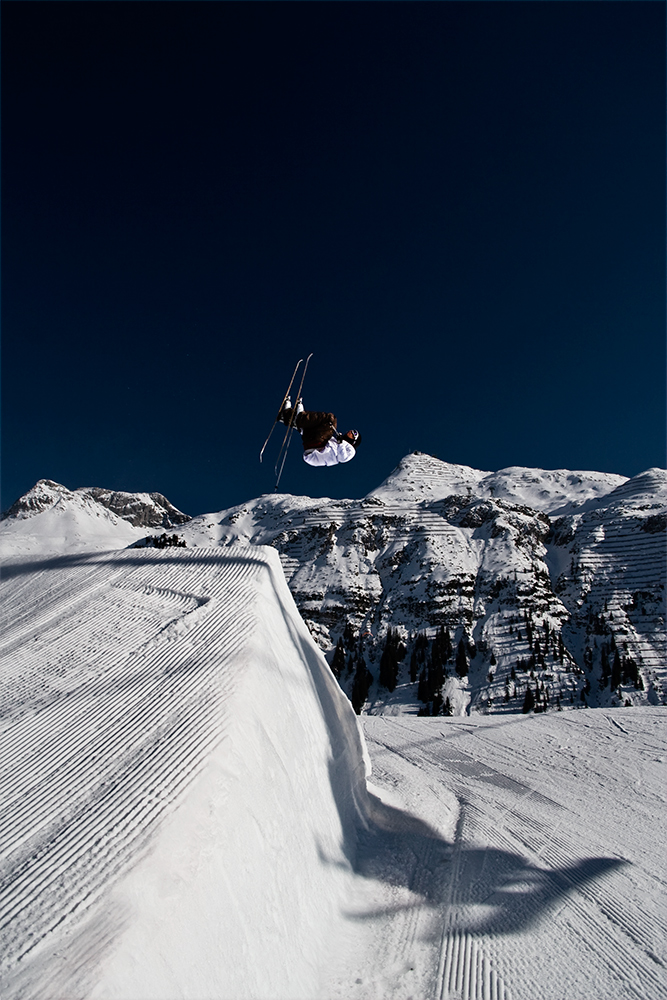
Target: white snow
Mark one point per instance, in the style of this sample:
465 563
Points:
73 523
420 477
531 863
185 811
182 780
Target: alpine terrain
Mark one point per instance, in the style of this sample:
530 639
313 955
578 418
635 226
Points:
191 807
480 589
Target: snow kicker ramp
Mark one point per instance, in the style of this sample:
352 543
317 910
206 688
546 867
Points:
181 779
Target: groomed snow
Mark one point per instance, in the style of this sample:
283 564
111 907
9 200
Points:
182 780
533 867
184 804
185 812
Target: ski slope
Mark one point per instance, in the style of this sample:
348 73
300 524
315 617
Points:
516 858
185 811
181 780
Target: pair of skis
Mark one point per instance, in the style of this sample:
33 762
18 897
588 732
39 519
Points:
282 454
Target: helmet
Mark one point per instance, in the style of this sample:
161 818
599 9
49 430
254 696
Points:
353 438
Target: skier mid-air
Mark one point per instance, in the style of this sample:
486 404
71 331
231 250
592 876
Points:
322 443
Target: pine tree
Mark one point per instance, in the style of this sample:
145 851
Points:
604 666
413 666
528 701
437 704
616 672
630 672
461 658
447 707
436 675
338 662
361 684
447 645
389 660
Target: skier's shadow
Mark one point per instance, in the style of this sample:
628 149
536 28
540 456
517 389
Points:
487 890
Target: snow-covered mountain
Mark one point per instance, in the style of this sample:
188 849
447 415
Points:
511 562
551 582
423 477
184 810
82 520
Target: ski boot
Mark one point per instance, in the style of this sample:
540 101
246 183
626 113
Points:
285 412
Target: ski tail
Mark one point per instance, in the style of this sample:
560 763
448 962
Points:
288 434
281 406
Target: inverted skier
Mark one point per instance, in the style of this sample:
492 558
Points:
322 444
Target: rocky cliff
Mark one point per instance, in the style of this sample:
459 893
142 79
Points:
548 578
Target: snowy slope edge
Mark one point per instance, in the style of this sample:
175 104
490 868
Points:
183 804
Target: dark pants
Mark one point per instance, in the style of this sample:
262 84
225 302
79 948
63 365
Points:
316 428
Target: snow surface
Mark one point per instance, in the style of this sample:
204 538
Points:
534 866
81 520
182 780
423 477
437 544
72 524
185 812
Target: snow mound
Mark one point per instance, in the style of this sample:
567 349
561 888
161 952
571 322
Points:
182 779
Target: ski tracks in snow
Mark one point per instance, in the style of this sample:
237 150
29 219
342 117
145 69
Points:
551 883
116 669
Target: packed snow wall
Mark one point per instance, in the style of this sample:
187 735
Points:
181 780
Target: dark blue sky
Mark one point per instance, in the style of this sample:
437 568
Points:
459 207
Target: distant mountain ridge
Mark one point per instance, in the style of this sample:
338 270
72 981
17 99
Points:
548 491
552 582
146 510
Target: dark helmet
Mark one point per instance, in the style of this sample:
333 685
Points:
353 437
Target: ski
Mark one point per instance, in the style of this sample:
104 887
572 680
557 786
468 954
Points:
281 406
288 433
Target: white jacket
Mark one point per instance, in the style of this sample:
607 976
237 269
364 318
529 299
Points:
333 453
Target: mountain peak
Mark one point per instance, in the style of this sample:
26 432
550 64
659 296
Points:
421 478
144 510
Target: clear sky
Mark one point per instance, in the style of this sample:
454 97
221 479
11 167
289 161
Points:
458 207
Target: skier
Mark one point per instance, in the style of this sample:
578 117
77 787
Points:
322 444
